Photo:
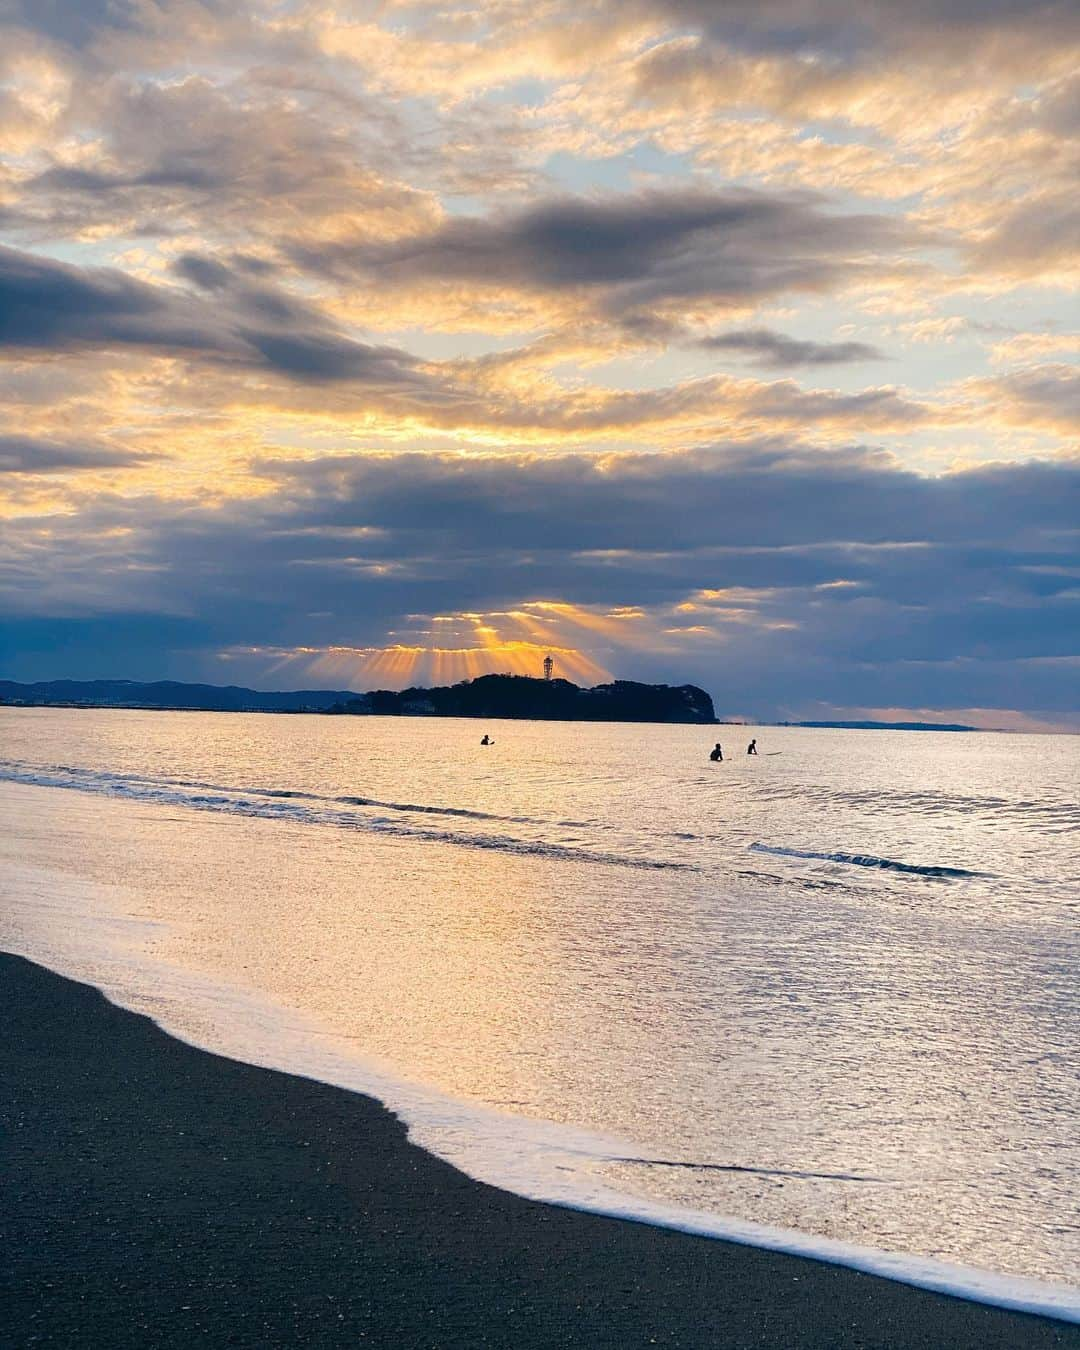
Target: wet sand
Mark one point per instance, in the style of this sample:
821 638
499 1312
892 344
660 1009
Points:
154 1195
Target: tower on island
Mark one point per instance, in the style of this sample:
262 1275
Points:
549 666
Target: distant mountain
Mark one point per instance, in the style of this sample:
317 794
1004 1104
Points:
885 726
168 694
493 696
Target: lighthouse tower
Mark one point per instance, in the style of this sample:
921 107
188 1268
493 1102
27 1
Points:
549 666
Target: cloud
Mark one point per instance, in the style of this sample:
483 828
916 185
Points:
103 32
45 304
853 30
24 455
1039 234
633 253
1044 395
430 228
833 95
721 565
1058 108
767 348
253 160
710 401
74 22
234 320
772 495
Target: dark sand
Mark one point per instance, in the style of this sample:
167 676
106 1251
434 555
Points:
157 1196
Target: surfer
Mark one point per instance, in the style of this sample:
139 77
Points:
751 749
717 753
487 740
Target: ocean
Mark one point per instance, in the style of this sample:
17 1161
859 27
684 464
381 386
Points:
824 999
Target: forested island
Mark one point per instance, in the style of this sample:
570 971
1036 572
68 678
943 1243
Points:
492 696
520 696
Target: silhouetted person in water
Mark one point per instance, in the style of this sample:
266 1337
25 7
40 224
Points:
717 754
751 749
487 741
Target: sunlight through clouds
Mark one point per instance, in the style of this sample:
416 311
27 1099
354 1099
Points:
400 666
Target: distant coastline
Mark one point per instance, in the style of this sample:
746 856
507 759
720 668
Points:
493 696
883 726
489 696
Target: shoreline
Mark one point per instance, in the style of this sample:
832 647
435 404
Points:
931 727
157 1193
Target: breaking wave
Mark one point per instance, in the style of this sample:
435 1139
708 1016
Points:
866 860
355 813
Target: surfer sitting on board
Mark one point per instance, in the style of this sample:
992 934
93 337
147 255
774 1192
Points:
717 753
751 749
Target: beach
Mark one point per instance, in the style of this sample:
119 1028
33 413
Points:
159 1195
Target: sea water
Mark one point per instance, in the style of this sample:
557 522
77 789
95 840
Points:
824 998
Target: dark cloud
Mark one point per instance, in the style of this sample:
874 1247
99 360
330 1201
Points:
206 273
235 318
841 31
27 455
316 357
74 23
767 348
634 252
946 583
86 28
768 496
45 304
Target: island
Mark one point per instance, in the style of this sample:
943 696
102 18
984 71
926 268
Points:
491 696
521 696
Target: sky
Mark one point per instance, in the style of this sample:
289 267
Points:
364 345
